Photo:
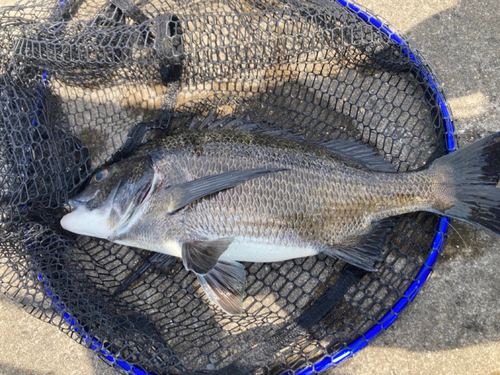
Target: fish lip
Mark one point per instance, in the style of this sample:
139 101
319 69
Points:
78 201
75 203
70 206
73 222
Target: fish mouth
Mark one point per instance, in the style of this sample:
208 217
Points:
70 206
86 222
80 200
73 204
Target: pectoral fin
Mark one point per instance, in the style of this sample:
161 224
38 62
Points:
224 285
185 193
202 256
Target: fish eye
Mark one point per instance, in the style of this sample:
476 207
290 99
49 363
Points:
101 175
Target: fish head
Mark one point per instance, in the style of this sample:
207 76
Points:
112 197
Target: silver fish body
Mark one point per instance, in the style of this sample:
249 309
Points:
221 196
319 202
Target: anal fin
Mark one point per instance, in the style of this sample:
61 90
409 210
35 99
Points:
224 285
368 249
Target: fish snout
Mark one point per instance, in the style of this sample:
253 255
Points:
82 198
75 203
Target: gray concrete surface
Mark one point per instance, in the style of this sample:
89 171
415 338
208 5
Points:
453 327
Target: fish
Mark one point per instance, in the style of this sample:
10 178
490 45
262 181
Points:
230 190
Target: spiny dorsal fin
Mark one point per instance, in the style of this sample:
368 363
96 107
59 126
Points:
224 285
369 249
187 192
355 152
201 256
359 152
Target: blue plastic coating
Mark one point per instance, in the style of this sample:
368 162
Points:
423 278
443 224
450 141
400 305
432 258
139 371
353 7
414 287
438 241
364 16
123 364
305 371
374 331
444 110
360 346
386 30
340 356
323 364
357 342
375 22
388 319
419 277
397 39
448 125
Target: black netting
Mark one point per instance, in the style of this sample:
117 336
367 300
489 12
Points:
77 79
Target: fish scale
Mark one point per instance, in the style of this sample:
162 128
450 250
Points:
317 184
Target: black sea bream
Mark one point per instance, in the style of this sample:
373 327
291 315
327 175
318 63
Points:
241 192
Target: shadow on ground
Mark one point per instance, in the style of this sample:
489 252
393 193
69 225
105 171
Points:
12 370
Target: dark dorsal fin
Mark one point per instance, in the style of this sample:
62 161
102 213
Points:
187 192
359 152
354 152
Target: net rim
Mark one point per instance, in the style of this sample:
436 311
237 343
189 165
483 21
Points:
336 358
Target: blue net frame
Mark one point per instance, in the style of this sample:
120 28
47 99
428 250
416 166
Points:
386 321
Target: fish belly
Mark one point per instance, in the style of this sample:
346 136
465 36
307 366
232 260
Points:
242 249
168 246
245 249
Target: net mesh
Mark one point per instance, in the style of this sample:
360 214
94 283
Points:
77 79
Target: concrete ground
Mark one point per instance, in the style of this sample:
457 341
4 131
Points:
453 327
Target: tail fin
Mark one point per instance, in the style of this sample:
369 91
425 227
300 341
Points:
476 171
